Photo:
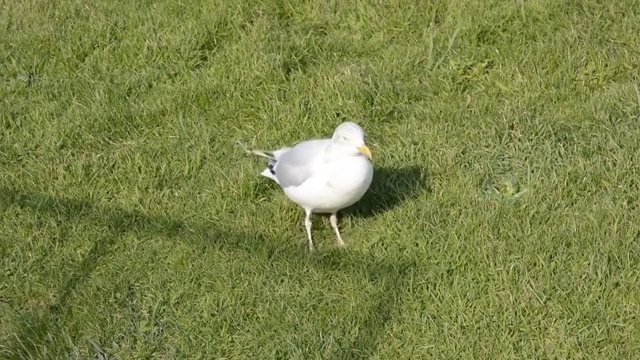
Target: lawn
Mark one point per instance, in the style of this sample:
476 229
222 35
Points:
503 221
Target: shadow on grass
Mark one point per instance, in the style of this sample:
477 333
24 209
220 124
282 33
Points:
390 187
37 328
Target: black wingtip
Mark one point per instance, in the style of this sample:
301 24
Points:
272 165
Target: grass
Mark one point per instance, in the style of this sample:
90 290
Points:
502 222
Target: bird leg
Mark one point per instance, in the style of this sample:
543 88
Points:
334 224
307 225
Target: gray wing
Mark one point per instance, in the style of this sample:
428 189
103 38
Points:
293 167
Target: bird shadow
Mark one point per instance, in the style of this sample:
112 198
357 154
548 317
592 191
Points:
390 187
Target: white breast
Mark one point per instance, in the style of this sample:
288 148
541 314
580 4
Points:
340 185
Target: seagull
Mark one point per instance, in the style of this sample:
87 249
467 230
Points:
324 175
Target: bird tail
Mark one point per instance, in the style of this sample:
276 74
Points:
273 157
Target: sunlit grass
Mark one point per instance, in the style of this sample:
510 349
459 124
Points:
502 221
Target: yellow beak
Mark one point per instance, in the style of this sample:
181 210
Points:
365 150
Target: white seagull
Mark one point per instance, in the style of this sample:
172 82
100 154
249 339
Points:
323 176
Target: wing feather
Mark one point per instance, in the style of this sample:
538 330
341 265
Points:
295 166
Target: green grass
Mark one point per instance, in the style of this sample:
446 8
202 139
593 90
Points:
503 221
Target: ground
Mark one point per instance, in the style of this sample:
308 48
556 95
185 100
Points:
502 221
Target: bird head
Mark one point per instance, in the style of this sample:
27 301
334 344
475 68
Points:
350 135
